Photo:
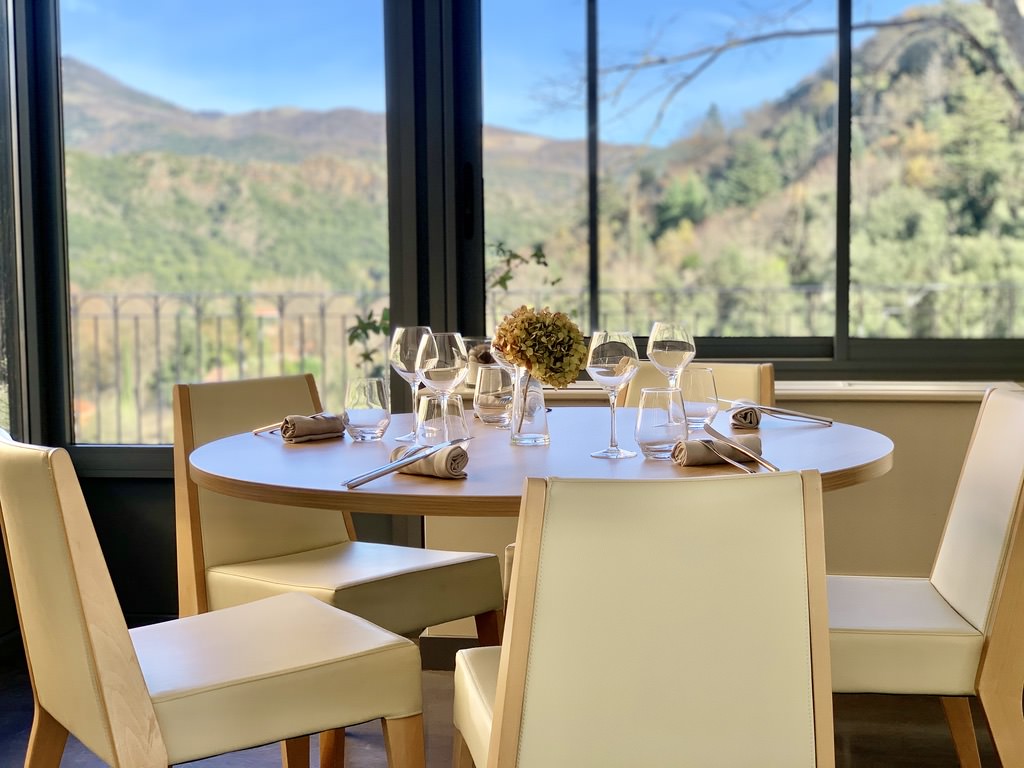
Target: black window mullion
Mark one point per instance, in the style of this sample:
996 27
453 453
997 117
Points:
40 150
841 351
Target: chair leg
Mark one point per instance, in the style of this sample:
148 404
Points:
295 752
1002 707
965 740
461 758
489 627
403 742
46 740
332 748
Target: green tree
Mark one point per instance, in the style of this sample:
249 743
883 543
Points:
750 175
684 199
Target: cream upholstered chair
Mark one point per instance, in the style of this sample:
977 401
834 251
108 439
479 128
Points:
189 688
232 551
694 632
959 632
734 381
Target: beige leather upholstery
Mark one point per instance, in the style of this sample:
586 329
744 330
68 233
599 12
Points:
232 551
898 635
926 636
185 689
733 381
732 670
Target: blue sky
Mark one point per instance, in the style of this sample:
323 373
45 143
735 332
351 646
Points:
239 55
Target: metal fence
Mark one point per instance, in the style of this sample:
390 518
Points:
128 349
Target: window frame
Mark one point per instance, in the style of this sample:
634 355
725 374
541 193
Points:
436 210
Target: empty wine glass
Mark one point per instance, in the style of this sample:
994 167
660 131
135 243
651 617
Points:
612 362
670 347
443 363
405 343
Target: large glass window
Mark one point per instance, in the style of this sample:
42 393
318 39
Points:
718 149
716 161
937 173
534 157
226 198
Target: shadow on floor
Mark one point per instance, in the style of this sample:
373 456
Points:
871 732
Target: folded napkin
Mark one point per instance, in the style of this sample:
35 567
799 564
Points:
320 426
746 417
448 463
690 453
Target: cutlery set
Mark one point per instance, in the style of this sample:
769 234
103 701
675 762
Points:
414 455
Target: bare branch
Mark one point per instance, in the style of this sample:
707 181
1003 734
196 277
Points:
707 55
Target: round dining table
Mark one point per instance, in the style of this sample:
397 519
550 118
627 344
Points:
263 467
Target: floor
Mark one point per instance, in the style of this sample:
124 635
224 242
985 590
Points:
871 732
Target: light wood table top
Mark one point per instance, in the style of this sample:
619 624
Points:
264 468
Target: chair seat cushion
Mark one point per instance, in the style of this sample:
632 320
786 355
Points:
898 635
403 589
476 683
230 679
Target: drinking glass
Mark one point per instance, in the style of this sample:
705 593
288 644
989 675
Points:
366 404
670 347
405 343
439 423
612 362
442 362
492 398
660 421
700 398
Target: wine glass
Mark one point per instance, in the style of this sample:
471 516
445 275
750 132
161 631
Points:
612 362
443 364
670 347
405 343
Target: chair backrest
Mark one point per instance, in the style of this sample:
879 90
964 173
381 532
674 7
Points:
988 497
213 529
81 660
733 381
678 617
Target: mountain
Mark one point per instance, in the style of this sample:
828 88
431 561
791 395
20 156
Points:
221 201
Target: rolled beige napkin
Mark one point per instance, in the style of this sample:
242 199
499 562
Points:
320 426
691 453
448 463
746 417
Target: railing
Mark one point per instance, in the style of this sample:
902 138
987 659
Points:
129 349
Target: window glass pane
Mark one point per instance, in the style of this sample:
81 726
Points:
535 156
718 166
226 196
937 213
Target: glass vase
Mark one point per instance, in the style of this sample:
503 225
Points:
529 424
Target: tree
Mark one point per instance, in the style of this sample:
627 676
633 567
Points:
750 175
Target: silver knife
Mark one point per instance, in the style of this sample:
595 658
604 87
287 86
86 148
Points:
411 457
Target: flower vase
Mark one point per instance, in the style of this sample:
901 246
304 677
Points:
529 424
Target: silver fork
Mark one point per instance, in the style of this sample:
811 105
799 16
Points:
738 446
714 449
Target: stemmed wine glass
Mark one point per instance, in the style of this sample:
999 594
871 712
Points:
670 347
443 363
612 362
405 343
